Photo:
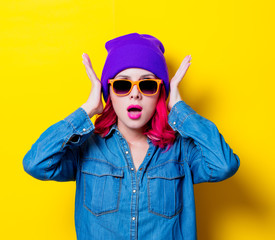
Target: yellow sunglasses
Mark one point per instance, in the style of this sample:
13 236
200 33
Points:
122 87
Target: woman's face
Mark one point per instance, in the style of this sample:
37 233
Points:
125 107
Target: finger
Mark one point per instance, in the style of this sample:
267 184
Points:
90 71
87 58
184 65
87 69
180 73
186 60
183 69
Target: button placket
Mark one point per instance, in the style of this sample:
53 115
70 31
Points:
133 177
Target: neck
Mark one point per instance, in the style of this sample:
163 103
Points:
132 136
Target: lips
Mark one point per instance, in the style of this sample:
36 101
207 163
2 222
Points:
134 108
134 111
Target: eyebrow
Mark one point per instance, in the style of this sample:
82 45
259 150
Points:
150 74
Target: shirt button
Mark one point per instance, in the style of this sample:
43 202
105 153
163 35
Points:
132 168
126 152
134 190
133 218
84 129
174 123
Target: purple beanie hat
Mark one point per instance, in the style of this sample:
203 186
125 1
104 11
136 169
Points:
134 51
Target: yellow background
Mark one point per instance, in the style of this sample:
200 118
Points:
230 82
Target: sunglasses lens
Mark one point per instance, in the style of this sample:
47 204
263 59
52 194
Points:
121 86
148 86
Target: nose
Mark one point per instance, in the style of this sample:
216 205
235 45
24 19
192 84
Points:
135 93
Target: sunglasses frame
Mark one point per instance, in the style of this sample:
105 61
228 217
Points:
133 83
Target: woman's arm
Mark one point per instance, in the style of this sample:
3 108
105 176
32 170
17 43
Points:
55 155
210 158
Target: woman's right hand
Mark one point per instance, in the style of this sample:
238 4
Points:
94 103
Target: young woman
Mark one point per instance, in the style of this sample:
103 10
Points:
135 168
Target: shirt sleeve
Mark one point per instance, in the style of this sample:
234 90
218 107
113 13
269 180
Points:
208 155
55 154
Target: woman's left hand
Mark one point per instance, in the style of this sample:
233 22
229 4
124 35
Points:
174 83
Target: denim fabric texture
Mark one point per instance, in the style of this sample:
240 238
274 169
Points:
115 201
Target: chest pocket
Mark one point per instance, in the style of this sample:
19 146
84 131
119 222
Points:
102 186
165 189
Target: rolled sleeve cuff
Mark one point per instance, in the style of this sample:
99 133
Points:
80 121
179 112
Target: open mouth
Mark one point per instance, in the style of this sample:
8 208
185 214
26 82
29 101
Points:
134 108
134 111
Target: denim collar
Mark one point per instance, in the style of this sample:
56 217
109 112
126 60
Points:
113 128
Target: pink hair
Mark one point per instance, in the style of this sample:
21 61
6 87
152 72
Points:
157 129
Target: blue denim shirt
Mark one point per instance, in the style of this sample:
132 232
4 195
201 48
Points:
113 200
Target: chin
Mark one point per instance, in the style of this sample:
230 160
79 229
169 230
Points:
136 125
